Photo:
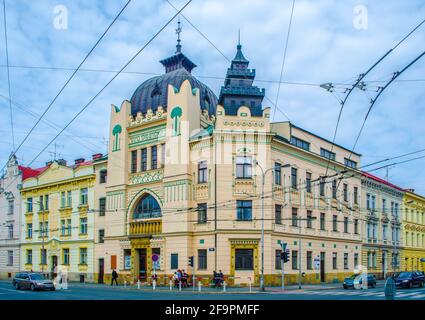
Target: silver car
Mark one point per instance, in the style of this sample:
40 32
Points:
32 281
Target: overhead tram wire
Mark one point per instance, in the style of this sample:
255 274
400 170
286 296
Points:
108 83
284 57
373 101
71 77
8 76
392 158
359 80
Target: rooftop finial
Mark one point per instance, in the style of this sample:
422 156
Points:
178 31
239 37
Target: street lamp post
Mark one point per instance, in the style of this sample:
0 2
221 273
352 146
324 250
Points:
263 174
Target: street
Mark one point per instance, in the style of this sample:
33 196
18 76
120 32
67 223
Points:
79 291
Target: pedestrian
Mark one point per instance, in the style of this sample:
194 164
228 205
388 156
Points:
220 277
175 279
184 278
114 277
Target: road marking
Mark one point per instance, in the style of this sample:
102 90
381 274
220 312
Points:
418 296
406 294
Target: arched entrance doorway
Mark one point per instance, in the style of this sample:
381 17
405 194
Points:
146 215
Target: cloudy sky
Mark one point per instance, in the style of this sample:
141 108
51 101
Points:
326 44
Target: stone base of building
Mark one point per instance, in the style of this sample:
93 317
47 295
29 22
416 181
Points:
7 275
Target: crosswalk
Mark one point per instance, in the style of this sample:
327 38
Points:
359 293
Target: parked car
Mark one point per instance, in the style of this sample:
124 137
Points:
410 279
32 281
349 282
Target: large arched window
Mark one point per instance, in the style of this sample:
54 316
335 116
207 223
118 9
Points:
147 208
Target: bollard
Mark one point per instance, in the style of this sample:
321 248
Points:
224 286
154 284
125 284
250 287
138 284
199 286
171 285
180 286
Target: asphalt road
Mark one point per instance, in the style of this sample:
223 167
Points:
105 292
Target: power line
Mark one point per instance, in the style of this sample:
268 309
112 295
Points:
392 158
109 82
284 56
71 77
360 79
8 74
397 163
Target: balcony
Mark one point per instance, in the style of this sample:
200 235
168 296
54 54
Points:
145 228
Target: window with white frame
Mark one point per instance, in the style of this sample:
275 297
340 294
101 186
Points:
244 167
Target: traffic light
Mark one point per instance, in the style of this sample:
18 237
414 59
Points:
191 261
285 256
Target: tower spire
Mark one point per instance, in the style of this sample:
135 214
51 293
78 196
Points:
239 37
178 32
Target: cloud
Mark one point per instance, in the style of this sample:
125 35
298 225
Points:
324 47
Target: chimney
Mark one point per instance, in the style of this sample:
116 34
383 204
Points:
61 162
78 161
97 156
411 190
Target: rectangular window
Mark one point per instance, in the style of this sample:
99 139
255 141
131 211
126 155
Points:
334 189
350 163
300 143
29 256
101 235
278 214
69 227
356 260
10 231
345 188
154 157
334 261
244 259
10 258
174 261
295 217
29 230
202 259
83 225
278 260
102 207
144 159
345 225
384 205
308 182
202 172
46 202
127 259
133 165
63 199
322 187
84 196
345 261
335 223
244 210
277 173
327 154
69 199
43 256
83 256
322 221
29 205
63 227
103 175
243 167
294 178
65 256
356 195
41 203
309 260
202 213
356 226
309 219
294 258
11 206
368 201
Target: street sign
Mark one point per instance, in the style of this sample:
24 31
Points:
211 249
155 258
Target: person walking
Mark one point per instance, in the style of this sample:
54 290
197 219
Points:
114 277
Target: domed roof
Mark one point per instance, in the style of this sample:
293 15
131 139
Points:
154 92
